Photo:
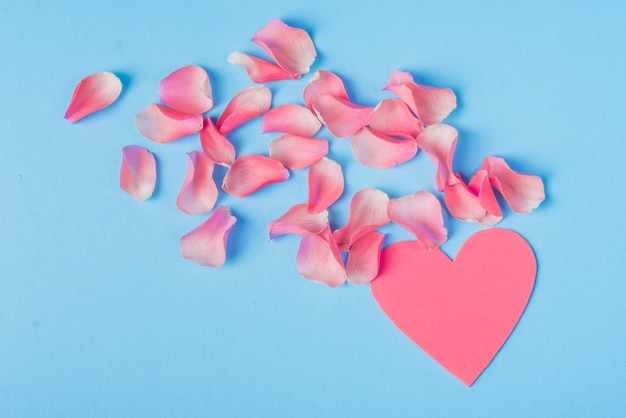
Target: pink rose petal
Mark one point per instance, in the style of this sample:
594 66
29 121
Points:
319 260
299 221
198 193
246 105
138 172
479 185
373 149
215 145
161 124
472 204
324 82
420 214
258 70
93 93
364 258
297 152
206 245
392 117
251 172
342 118
325 184
187 90
439 143
291 119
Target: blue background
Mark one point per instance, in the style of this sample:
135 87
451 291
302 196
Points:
100 315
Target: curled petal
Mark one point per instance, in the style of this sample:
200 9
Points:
215 145
465 204
299 221
342 117
258 70
187 90
368 211
161 124
93 93
297 152
325 184
138 172
481 187
420 214
251 172
198 193
324 82
373 149
291 48
430 104
206 245
291 119
393 117
319 259
439 143
247 104
364 258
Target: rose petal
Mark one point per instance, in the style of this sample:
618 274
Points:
299 221
297 152
392 117
318 259
161 124
420 214
479 185
291 48
325 184
342 118
187 90
206 245
465 204
93 93
291 119
323 82
430 104
439 143
373 149
215 145
246 105
251 172
258 70
138 172
364 258
368 211
198 193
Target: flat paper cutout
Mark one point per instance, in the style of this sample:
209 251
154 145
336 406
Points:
460 312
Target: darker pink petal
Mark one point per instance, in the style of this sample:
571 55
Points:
93 93
206 245
342 118
198 193
247 104
364 258
481 187
161 124
393 117
299 221
251 172
291 119
473 204
323 82
215 145
297 152
319 259
138 172
258 70
439 143
325 184
373 149
420 214
187 90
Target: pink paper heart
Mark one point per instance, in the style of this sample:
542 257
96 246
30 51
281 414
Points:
460 312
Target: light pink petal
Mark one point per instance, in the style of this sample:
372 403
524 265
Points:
297 152
251 172
368 211
324 82
187 90
161 124
439 143
215 145
206 245
319 259
198 193
325 184
246 105
93 93
299 221
342 118
138 172
291 48
291 119
420 214
430 104
393 117
523 192
258 70
364 258
373 149
464 203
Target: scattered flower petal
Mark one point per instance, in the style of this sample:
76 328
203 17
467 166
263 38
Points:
215 145
258 70
474 203
93 93
291 119
420 214
187 90
138 172
323 82
392 117
325 184
373 149
364 258
319 260
479 185
439 143
198 193
161 124
251 172
246 105
206 245
342 117
297 152
299 221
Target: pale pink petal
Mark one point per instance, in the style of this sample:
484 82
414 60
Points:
393 117
161 124
291 48
523 192
420 214
465 204
187 90
323 82
368 211
297 152
325 184
342 118
93 93
138 172
299 221
251 172
291 119
246 105
319 260
364 258
258 70
373 149
439 143
206 245
430 104
198 193
215 145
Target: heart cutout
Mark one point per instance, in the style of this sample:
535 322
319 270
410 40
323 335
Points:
459 312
